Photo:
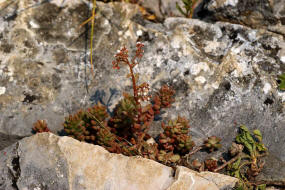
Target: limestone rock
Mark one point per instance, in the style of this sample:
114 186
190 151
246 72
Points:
185 179
46 161
42 59
167 8
221 181
163 9
192 180
224 74
252 13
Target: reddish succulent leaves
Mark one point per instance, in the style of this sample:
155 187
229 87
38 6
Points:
40 126
166 96
175 136
211 164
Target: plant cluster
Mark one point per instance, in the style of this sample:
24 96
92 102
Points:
40 126
210 144
126 132
247 152
245 161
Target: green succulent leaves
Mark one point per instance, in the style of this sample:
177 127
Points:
175 136
212 143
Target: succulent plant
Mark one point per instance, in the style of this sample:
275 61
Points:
164 98
147 114
183 144
166 143
125 113
150 150
126 132
40 126
212 143
175 136
99 111
75 126
211 164
196 163
176 127
168 157
83 125
108 140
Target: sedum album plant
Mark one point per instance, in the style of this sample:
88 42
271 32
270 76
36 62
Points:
126 132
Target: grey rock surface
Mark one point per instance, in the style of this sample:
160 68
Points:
269 14
252 13
224 74
46 161
162 8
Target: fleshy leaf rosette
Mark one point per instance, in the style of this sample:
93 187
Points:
75 125
175 136
40 126
212 143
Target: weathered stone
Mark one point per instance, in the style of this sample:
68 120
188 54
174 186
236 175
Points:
46 161
162 9
224 74
188 180
252 13
191 180
221 181
46 60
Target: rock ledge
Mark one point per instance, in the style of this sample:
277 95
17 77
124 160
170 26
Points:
47 161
